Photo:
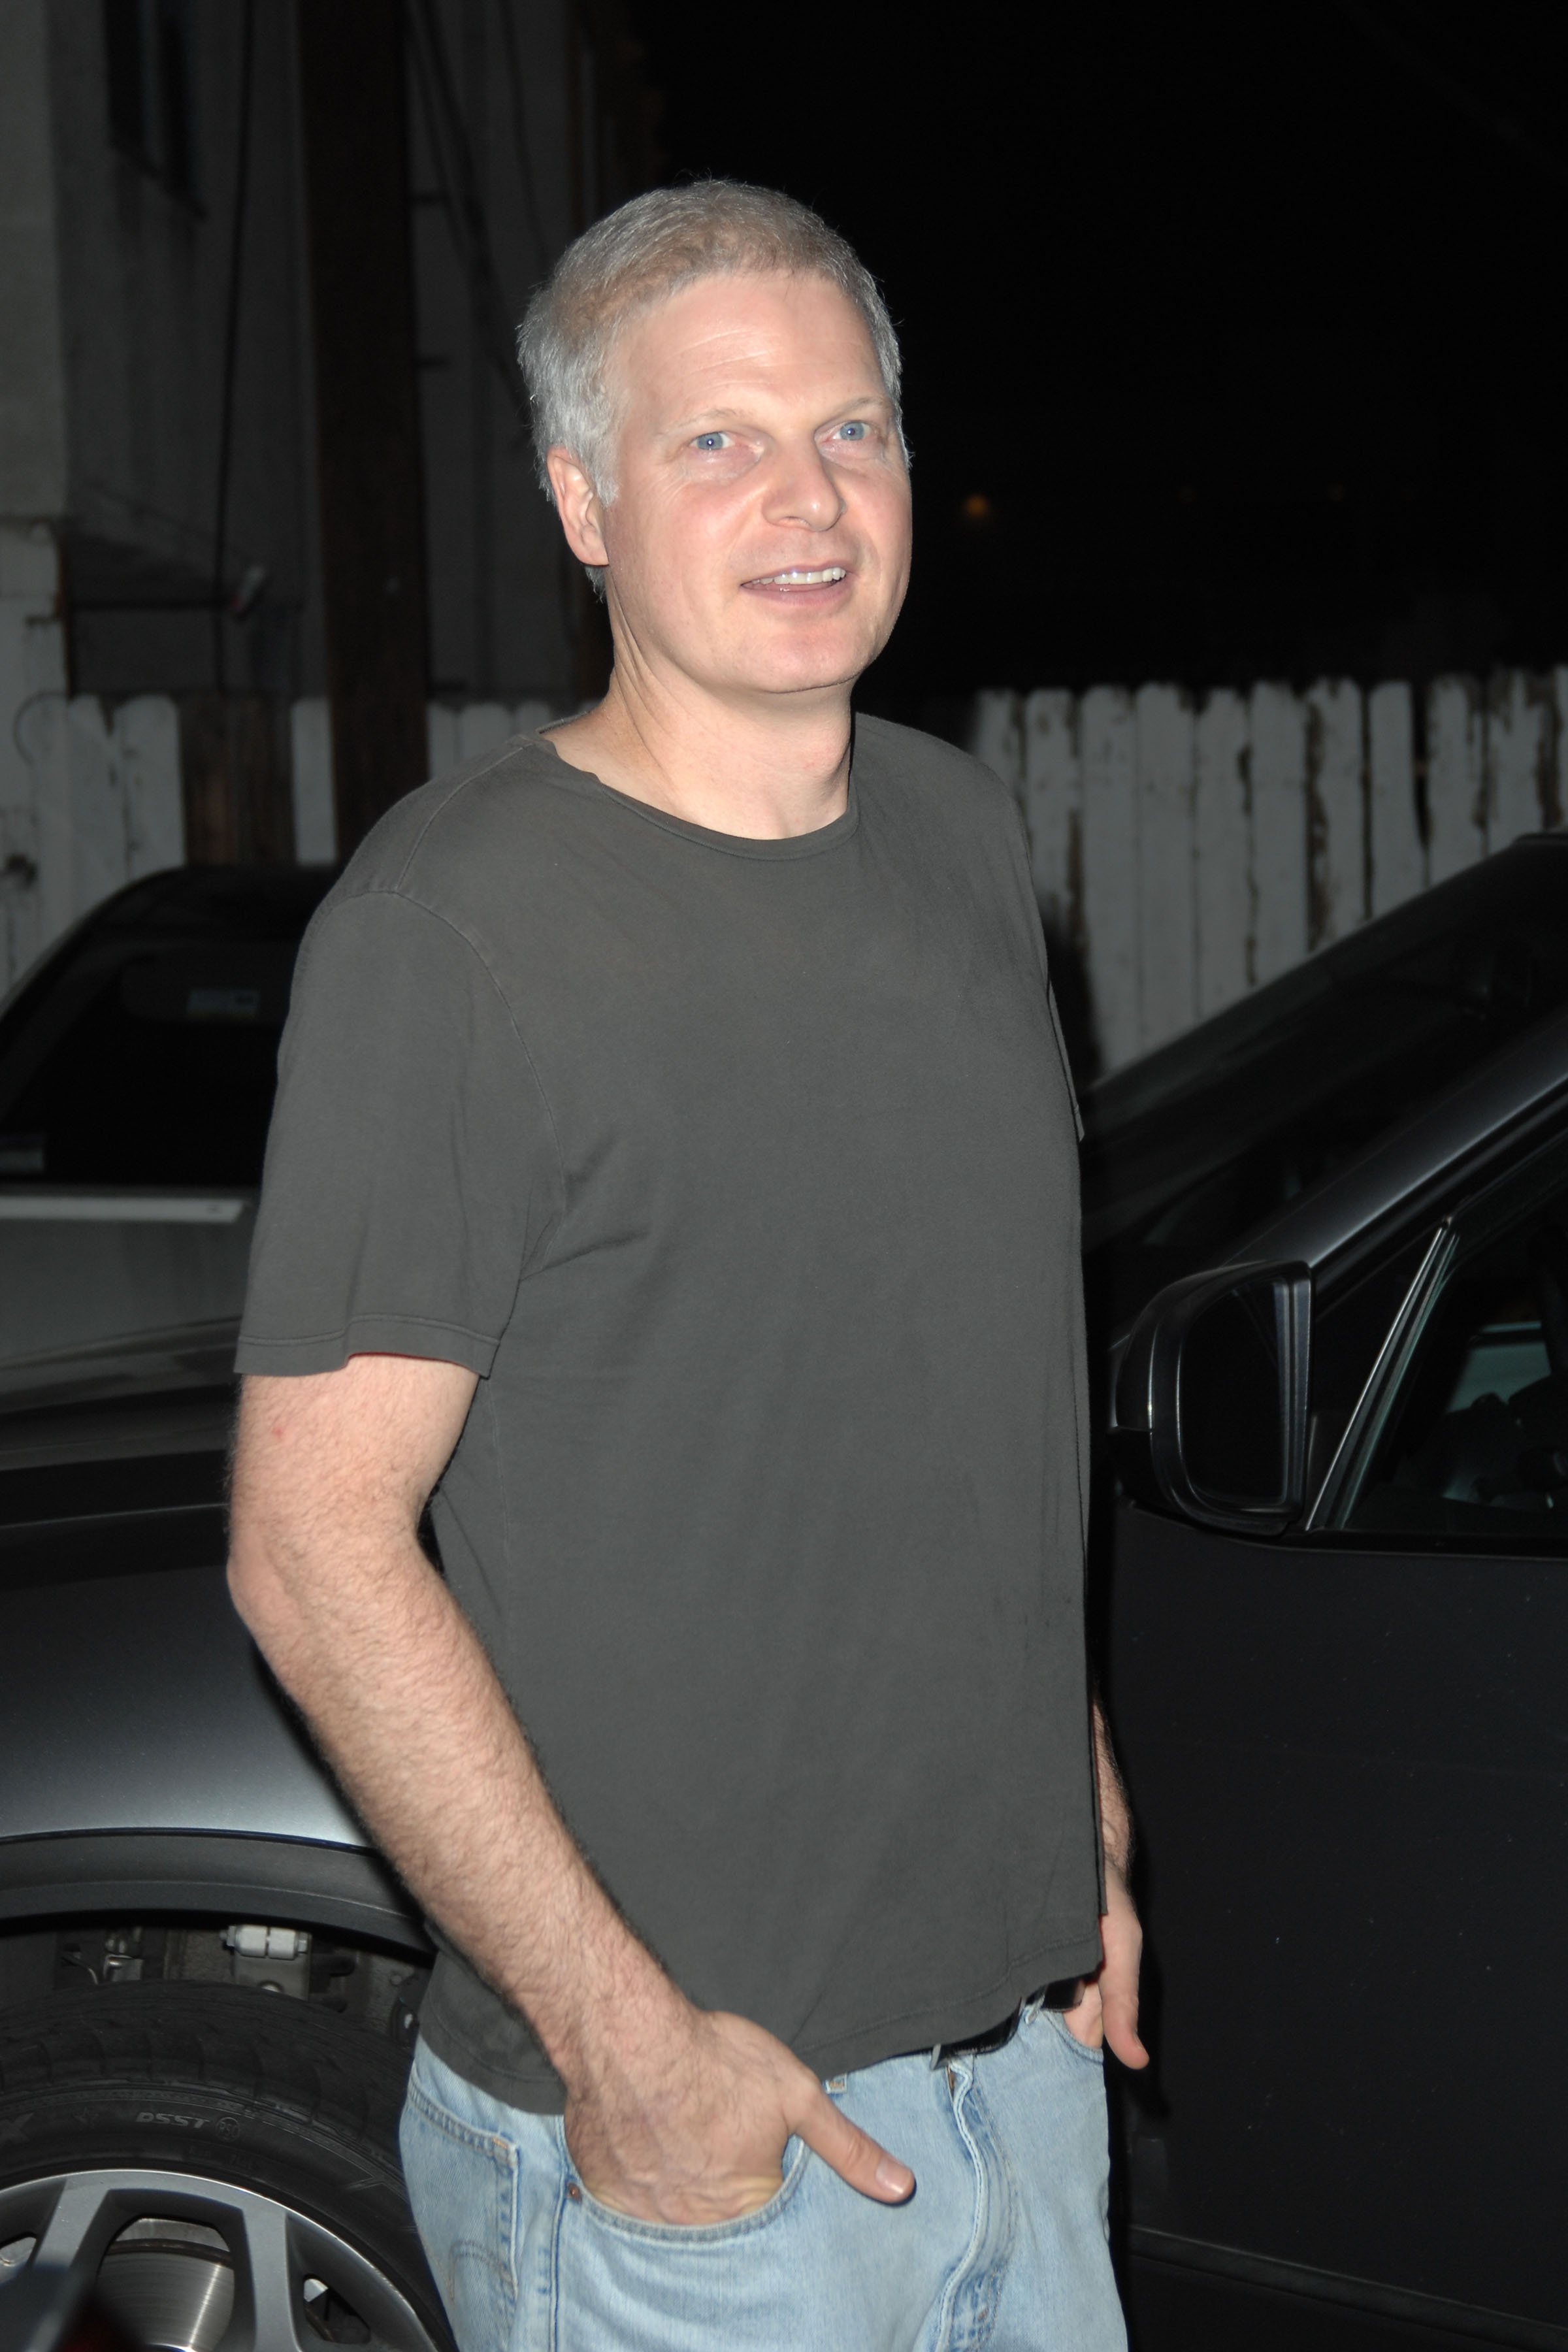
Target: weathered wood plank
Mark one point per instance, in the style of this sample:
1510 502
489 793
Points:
1222 852
145 748
1397 855
1336 811
997 736
1279 769
46 730
1456 778
1518 748
32 668
1107 747
443 737
1053 808
97 814
1167 922
310 767
81 814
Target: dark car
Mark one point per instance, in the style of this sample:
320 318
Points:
1335 1594
208 1981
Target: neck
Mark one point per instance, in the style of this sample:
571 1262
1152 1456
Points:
763 767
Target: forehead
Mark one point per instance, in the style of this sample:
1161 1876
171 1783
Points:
772 336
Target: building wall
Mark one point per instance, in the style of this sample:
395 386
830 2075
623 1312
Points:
32 383
115 288
146 274
499 614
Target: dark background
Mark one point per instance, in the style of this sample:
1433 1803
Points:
1232 332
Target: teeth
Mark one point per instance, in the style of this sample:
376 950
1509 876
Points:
802 578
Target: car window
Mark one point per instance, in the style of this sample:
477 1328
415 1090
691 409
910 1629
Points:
138 1062
151 1064
1476 1439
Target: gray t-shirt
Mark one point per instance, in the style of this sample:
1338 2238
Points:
745 1174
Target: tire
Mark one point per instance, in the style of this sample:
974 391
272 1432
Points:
225 2159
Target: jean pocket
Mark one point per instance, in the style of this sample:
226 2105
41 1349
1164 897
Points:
1057 2023
693 2233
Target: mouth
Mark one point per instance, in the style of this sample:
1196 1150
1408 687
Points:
827 576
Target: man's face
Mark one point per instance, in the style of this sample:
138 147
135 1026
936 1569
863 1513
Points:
759 538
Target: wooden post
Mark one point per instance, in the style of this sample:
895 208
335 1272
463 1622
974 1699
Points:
367 414
236 800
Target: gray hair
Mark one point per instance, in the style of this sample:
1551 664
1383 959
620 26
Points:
635 258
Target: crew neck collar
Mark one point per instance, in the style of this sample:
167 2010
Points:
728 845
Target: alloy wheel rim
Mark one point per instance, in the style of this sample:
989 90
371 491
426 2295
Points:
190 2264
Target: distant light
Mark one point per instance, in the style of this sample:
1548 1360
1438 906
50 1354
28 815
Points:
976 508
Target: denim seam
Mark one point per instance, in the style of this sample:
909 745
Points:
500 2153
942 2334
992 2158
557 2224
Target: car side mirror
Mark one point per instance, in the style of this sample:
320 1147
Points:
1210 1410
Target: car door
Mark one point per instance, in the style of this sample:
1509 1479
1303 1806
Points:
1347 1750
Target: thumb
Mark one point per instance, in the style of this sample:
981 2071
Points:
853 2154
1120 2012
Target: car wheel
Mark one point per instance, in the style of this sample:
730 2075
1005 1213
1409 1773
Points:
224 2160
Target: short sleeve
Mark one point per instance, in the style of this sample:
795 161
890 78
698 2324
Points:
411 1171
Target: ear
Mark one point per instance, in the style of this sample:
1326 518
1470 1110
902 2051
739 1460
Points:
577 503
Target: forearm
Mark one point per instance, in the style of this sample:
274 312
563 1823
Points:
409 1713
1115 1817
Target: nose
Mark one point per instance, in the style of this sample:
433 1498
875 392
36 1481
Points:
803 488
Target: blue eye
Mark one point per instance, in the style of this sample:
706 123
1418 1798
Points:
710 440
854 432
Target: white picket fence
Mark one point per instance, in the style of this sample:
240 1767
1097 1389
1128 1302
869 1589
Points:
92 799
452 735
1186 852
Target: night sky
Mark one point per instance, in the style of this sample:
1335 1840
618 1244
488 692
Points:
1232 332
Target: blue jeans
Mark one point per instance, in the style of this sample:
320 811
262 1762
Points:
1003 2246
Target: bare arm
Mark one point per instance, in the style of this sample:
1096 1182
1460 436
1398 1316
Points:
673 2112
1108 2009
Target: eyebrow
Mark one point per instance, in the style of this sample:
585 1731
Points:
708 416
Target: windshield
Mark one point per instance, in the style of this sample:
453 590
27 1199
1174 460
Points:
1188 1148
137 1070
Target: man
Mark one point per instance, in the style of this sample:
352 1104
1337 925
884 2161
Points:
674 1178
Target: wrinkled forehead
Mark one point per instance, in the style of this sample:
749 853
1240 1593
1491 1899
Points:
775 330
